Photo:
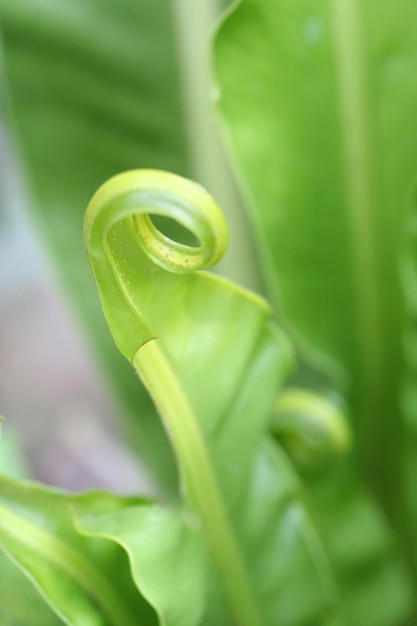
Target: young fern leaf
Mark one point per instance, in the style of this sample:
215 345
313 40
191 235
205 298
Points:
119 214
207 354
311 427
117 219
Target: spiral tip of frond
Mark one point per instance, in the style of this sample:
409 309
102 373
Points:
143 194
311 427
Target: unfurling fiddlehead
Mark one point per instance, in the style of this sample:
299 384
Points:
147 292
140 193
311 427
121 237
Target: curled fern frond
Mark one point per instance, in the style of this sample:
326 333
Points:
121 237
311 427
139 194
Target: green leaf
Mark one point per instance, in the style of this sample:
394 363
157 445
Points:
166 546
20 603
318 102
72 573
93 88
167 557
206 351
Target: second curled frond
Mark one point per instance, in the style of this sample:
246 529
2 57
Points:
311 427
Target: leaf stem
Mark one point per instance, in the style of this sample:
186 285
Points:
199 480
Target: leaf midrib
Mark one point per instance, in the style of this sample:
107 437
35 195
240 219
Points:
377 350
358 149
200 481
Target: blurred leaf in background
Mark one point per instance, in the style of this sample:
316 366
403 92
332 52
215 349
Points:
93 88
319 104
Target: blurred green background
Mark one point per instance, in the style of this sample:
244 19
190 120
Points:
89 89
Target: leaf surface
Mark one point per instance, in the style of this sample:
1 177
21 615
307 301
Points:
318 102
167 557
72 573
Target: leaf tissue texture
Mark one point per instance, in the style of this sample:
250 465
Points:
318 102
